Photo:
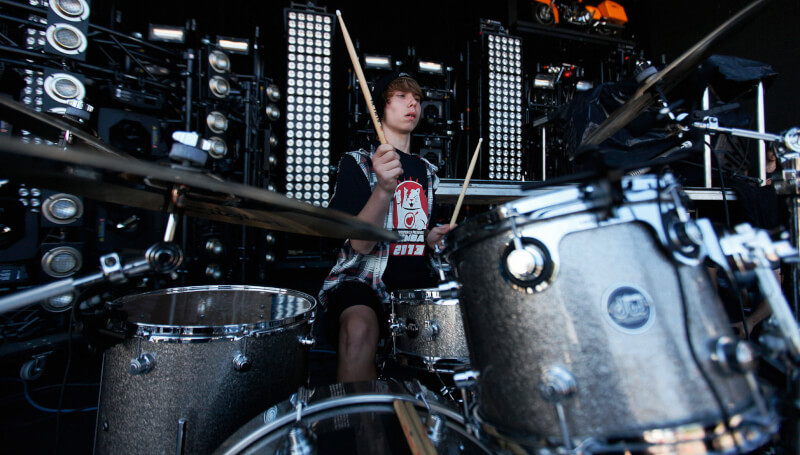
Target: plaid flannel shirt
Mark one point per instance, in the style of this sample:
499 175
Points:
369 268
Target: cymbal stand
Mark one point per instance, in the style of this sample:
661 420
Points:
161 257
753 250
787 149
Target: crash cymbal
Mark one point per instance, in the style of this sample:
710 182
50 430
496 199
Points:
129 181
48 126
666 79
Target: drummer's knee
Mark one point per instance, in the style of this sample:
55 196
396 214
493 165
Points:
358 329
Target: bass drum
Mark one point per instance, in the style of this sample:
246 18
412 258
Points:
202 361
594 324
352 418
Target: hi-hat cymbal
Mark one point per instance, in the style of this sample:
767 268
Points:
129 181
667 78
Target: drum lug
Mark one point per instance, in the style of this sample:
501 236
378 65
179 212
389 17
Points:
142 364
241 362
397 326
436 428
307 340
558 384
733 356
430 330
300 441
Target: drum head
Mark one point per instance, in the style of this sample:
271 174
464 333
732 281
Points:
228 310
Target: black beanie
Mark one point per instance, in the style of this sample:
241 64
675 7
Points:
380 86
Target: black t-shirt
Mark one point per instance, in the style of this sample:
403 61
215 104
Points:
407 267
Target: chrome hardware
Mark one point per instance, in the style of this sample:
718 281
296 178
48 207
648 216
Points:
733 356
307 340
181 441
430 330
436 428
300 441
525 264
397 326
557 384
142 364
241 362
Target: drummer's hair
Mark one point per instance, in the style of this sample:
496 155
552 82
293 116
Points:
402 84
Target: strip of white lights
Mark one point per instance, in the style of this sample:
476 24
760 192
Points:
308 106
505 107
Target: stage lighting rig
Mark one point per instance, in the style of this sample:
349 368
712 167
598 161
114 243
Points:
501 104
308 98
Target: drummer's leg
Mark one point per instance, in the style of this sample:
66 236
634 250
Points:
358 344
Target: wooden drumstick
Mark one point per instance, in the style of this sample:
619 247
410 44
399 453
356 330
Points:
361 81
466 182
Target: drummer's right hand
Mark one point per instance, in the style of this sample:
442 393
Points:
386 163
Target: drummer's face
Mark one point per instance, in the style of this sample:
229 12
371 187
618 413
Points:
402 112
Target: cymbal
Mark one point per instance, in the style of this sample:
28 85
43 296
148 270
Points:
128 181
667 78
48 126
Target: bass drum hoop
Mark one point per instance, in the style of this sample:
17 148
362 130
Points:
363 402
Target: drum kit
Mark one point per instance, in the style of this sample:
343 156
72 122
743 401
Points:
579 318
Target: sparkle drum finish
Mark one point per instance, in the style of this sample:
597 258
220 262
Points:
202 361
579 339
352 418
428 330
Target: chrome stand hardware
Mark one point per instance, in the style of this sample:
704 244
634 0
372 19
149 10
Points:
465 382
161 258
754 250
558 384
240 361
143 363
180 443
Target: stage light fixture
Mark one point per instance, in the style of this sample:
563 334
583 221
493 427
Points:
219 61
584 86
273 93
308 99
381 62
217 122
66 39
62 208
167 33
70 10
545 81
504 113
63 87
218 148
234 45
219 86
61 261
430 67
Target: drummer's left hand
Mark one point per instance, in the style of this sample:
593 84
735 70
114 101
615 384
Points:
436 235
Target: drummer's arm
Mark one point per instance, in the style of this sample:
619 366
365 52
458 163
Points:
386 163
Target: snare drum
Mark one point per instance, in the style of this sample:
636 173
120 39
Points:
573 305
202 362
353 418
427 329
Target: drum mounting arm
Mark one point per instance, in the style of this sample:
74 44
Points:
161 257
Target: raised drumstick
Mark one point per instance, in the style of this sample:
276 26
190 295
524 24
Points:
361 81
466 182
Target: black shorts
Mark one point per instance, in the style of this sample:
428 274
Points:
345 295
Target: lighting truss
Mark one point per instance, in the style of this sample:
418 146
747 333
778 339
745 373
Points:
308 105
503 106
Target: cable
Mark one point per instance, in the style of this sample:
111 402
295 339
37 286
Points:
66 371
721 186
39 407
688 333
